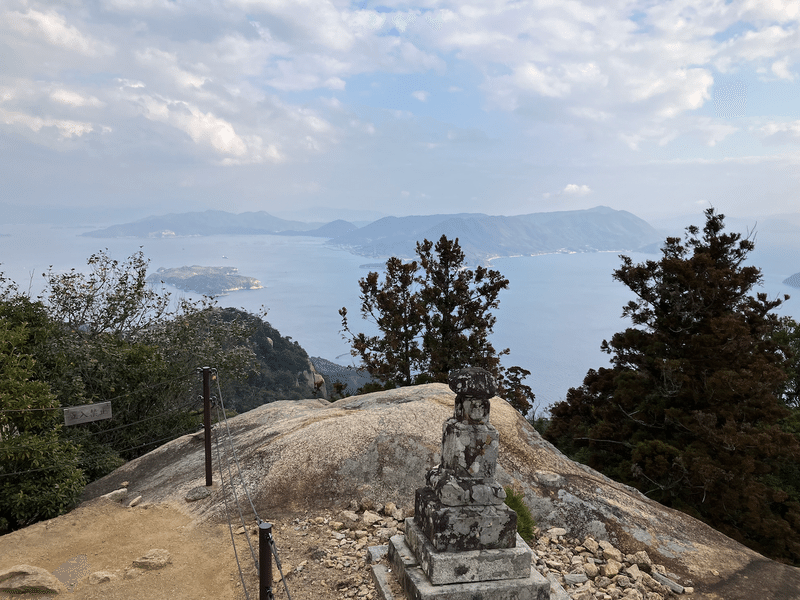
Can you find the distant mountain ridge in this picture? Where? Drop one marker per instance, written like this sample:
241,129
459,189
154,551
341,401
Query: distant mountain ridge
483,237
209,222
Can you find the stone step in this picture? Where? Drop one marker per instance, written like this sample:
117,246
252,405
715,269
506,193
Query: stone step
473,565
417,586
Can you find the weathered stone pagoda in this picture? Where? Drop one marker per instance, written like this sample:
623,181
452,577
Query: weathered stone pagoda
462,543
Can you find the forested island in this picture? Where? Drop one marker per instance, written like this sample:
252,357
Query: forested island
211,281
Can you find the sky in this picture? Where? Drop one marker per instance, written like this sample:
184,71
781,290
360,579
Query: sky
123,108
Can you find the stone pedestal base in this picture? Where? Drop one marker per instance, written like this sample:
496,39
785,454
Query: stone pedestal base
417,586
464,528
475,565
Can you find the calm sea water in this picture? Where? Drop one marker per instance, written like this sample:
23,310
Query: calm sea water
554,316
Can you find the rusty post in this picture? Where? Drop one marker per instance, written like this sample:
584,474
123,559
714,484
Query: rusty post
265,561
207,421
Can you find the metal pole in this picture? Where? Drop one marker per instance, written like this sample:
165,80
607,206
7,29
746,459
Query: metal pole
265,561
207,421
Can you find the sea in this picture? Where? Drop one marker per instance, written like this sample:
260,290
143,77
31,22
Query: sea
553,317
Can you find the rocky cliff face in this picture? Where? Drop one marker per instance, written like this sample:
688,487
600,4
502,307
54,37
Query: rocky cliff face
313,380
311,454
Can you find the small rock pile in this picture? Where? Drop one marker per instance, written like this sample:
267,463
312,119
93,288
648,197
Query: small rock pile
336,549
596,570
578,570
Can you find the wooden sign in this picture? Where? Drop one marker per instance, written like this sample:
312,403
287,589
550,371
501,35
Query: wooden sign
75,415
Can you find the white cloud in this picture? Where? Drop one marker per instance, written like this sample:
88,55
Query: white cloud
166,64
546,83
403,20
713,131
75,99
67,128
313,22
573,189
420,95
775,132
781,69
53,28
204,128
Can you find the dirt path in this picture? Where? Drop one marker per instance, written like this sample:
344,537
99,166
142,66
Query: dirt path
105,536
102,535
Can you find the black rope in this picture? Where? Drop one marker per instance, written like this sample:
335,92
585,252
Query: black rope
278,563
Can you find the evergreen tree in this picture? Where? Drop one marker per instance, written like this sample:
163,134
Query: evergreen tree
457,310
690,411
433,322
396,308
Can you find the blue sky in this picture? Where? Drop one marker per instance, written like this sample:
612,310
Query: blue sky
123,108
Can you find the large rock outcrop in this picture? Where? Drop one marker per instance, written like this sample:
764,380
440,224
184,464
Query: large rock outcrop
314,454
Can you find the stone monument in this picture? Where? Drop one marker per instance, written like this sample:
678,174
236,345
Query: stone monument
462,543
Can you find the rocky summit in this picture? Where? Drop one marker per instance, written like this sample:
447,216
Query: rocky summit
595,535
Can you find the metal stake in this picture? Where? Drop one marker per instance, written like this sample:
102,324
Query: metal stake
265,561
207,421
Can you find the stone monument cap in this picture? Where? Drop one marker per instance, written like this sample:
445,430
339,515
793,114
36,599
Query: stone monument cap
474,382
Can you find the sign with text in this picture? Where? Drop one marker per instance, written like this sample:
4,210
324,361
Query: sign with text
75,415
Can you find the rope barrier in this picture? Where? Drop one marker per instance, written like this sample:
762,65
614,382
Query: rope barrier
271,539
227,514
233,448
126,394
172,436
233,488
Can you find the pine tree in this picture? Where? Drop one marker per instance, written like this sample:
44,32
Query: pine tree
690,411
457,310
434,316
396,308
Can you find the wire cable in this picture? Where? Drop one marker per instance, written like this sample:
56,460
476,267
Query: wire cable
233,487
274,546
131,392
167,438
227,514
233,448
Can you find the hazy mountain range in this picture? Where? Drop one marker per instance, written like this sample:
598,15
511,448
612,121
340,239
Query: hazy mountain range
209,222
481,236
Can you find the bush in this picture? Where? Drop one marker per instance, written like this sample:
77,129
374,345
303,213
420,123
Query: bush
525,522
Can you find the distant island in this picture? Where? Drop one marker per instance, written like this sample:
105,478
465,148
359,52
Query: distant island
485,237
211,281
482,237
218,222
793,280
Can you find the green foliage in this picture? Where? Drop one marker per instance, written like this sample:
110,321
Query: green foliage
434,317
457,310
788,336
275,363
339,390
113,298
397,309
39,475
107,335
525,522
691,411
